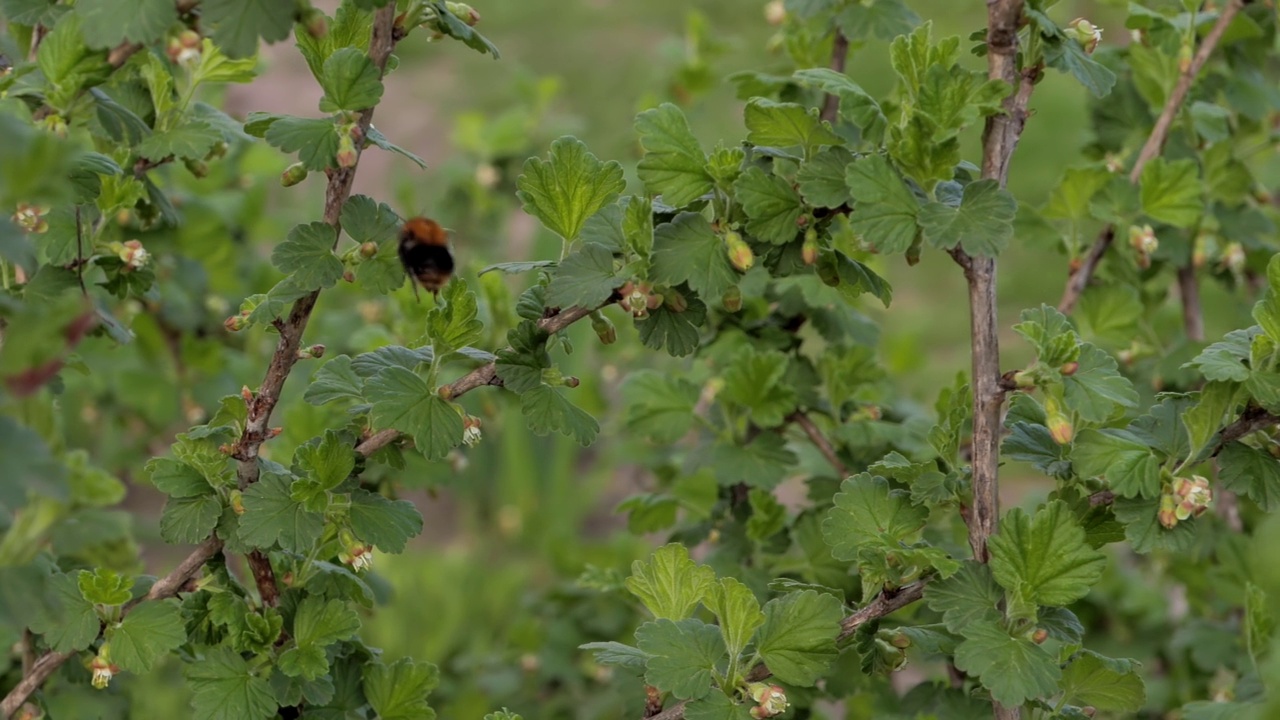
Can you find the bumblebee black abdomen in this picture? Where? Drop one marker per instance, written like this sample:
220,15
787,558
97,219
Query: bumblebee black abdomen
430,265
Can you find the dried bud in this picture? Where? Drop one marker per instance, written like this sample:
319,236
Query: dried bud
293,174
732,299
246,394
348,276
740,254
274,432
809,250
1086,33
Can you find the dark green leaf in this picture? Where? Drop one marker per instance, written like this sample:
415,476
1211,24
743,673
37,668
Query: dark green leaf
681,655
884,209
798,638
687,250
982,225
403,401
771,204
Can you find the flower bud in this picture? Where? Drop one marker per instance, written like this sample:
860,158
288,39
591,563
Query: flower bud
1144,241
359,557
197,168
1039,636
464,11
102,668
775,12
1167,515
676,301
740,254
1059,424
315,22
603,328
293,174
348,276
1069,369
732,299
237,502
809,250
571,381
487,175
1233,258
900,641
236,323
1184,58
368,249
311,352
1085,33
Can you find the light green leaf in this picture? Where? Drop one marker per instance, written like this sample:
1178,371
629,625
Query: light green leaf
1225,360
399,691
868,512
586,278
768,516
737,611
521,365
568,187
65,618
385,523
1045,559
1123,459
688,250
1145,533
798,638
327,463
190,141
982,225
673,165
224,688
453,323
1015,670
716,706
783,125
350,80
104,586
321,622
771,204
403,401
307,255
1204,419
1066,55
762,462
1171,192
1106,684
681,655
271,514
884,209
546,409
670,584
149,631
454,27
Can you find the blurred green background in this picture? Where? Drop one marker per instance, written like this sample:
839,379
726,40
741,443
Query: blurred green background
490,591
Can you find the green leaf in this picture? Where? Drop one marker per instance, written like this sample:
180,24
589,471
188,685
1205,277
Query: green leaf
104,586
783,125
1171,192
315,141
677,333
762,462
307,255
1251,472
454,27
970,596
868,512
798,638
1144,531
822,179
189,519
687,250
1015,670
673,165
615,653
982,225
755,382
884,209
350,81
659,406
716,706
884,19
586,278
453,324
521,365
568,187
1106,684
1204,419
771,204
325,464
1224,361
224,688
681,655
379,140
399,691
237,24
1045,559
768,516
1267,310
321,623
335,380
854,278
737,611
1066,55
856,104
65,618
1123,459
148,632
271,514
216,67
190,141
670,584
177,479
1097,389
385,523
545,409
1112,313
403,401
1071,198
108,23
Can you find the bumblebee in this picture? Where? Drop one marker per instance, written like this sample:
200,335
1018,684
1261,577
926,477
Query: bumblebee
424,252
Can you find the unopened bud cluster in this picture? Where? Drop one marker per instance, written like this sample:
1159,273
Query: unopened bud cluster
1185,498
131,253
770,700
740,255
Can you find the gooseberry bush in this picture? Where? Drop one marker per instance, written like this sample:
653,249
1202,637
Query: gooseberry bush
833,549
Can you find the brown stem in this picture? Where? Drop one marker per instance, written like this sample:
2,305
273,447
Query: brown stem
839,53
1251,420
165,587
480,377
1189,291
286,354
818,439
884,604
1150,150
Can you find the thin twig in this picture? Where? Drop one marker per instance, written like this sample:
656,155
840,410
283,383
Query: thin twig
1189,292
1081,276
481,376
286,354
824,446
1251,420
883,605
165,587
839,53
